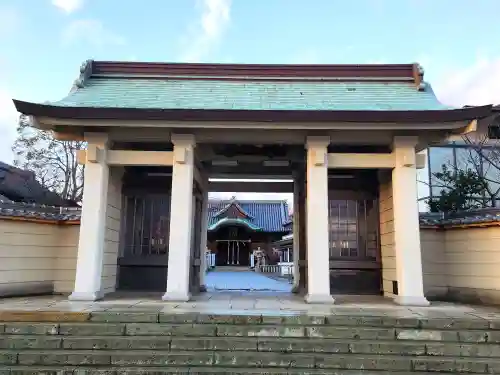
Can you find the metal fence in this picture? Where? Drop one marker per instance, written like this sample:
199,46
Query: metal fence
210,261
284,271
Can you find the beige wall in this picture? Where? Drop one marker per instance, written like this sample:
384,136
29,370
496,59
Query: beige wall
387,249
462,264
65,258
36,257
459,264
433,257
112,235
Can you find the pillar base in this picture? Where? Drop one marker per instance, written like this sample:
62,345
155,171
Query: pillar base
176,297
411,301
296,289
319,298
86,296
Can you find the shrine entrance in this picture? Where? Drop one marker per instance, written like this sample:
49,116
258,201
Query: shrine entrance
233,253
353,208
145,225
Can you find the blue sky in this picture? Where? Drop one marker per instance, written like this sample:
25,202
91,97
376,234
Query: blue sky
43,42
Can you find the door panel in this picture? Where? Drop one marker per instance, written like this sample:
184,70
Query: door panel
354,242
143,259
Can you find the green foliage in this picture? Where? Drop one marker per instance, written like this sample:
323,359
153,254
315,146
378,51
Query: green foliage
460,191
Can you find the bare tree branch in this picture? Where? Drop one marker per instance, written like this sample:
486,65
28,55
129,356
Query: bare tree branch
54,162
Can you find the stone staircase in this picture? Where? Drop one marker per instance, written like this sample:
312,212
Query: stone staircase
141,342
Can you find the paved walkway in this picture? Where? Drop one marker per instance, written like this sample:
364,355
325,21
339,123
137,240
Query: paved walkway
248,303
245,281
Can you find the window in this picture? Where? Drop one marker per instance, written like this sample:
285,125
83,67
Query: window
439,156
353,231
494,132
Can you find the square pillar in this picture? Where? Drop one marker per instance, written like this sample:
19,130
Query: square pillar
181,219
91,242
318,257
406,224
203,241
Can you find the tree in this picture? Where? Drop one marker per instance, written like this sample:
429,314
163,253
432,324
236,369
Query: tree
462,189
54,162
483,155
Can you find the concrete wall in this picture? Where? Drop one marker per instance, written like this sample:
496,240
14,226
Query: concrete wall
112,235
40,257
65,258
459,264
462,264
36,257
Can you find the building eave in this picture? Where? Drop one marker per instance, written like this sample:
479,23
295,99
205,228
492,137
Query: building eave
238,222
204,115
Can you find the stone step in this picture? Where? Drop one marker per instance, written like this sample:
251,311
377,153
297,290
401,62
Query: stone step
245,359
112,342
276,345
229,330
254,318
65,370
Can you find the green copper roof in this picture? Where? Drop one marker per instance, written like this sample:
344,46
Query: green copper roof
228,221
327,95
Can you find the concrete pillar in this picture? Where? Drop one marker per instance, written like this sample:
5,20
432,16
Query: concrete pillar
296,234
406,224
89,265
318,257
203,241
181,221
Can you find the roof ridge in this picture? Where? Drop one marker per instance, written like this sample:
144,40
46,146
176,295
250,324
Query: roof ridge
86,70
412,71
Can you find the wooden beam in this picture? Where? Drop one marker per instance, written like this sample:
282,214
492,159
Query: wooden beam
131,158
361,161
68,136
369,161
138,158
250,187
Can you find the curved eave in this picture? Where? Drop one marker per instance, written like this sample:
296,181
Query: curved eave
93,113
225,222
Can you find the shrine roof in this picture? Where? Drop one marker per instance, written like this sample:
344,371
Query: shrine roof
269,216
231,221
233,92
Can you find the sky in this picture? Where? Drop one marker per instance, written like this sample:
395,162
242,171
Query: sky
43,42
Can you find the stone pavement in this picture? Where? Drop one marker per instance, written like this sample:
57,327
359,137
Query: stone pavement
245,280
250,303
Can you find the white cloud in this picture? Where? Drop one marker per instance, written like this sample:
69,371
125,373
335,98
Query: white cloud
68,6
8,122
478,84
92,32
208,30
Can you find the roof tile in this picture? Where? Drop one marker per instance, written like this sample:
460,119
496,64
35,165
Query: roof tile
143,93
268,215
